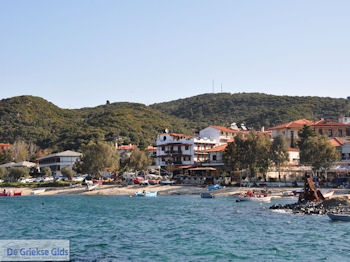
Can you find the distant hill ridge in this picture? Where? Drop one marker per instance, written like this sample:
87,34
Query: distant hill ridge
37,120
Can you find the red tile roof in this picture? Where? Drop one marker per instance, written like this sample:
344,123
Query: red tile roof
225,129
127,147
217,148
294,124
151,148
4,145
293,149
327,123
336,141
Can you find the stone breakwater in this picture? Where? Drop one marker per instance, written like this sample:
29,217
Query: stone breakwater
338,205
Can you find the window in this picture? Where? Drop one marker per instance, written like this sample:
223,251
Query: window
163,159
320,131
340,132
186,147
164,138
330,132
163,148
214,157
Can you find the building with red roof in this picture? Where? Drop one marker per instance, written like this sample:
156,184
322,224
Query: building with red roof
291,129
4,146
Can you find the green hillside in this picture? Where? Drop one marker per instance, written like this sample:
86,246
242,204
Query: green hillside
37,120
254,109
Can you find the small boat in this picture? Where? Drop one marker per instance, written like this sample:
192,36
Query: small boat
214,187
167,182
206,195
10,193
38,191
144,182
249,196
90,185
340,217
327,193
146,194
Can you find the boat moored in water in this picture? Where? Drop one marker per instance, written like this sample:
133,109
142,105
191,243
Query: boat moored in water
339,217
250,196
206,195
147,194
10,193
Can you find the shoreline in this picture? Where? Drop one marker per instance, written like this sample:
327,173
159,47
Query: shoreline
162,190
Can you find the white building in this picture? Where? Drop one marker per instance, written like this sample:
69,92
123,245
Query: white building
179,149
58,161
175,149
344,120
219,134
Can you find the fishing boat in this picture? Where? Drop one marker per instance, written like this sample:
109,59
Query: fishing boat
340,217
249,196
146,194
214,187
206,195
10,193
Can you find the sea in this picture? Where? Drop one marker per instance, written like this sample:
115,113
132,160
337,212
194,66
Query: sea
173,228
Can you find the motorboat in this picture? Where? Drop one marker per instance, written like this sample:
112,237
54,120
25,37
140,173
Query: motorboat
147,194
249,196
206,195
214,187
339,217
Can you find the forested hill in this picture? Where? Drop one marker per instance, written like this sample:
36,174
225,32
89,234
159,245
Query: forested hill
41,122
37,120
254,109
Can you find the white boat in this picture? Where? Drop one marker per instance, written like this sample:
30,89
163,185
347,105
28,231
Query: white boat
147,194
341,217
38,191
252,197
327,193
91,185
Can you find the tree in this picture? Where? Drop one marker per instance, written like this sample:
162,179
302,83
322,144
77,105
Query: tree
3,173
279,153
97,157
18,172
318,152
304,134
21,151
46,171
139,160
5,156
248,153
67,172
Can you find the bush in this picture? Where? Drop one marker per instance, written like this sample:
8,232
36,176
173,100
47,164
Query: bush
67,172
18,172
3,172
46,171
36,184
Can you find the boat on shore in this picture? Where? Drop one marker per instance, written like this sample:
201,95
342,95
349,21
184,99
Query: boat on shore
214,187
206,195
339,217
249,196
10,193
90,185
146,194
327,193
38,191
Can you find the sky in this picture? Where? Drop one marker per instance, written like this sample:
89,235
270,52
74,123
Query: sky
78,53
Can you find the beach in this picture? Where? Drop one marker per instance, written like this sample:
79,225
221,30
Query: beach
162,190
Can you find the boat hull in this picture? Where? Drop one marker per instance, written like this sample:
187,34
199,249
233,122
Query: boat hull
206,195
339,217
147,194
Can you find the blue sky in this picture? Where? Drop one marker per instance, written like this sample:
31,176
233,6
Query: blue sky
82,52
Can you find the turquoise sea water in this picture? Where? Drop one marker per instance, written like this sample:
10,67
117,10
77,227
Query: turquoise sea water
173,228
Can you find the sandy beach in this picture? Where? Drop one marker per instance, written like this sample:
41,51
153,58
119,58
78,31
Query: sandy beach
162,190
